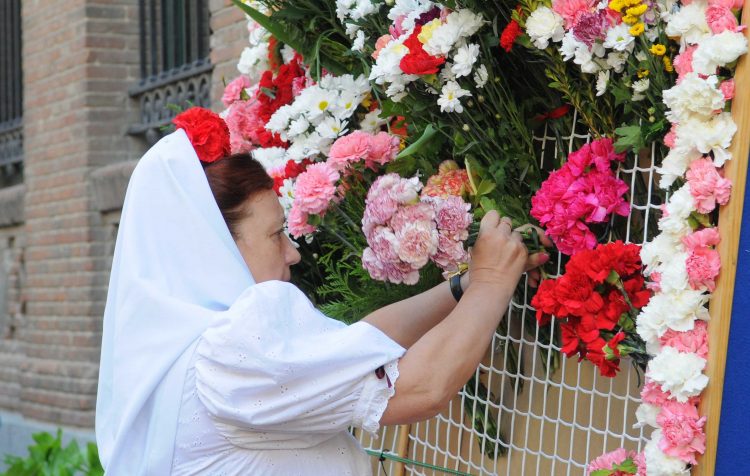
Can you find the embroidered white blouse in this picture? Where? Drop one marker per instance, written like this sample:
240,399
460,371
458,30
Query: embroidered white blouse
273,385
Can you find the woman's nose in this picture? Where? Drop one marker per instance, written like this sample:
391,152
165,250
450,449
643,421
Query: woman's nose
292,255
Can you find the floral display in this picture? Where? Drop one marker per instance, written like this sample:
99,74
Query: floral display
390,127
597,301
583,191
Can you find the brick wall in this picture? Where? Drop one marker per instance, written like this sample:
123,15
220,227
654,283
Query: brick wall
228,38
57,230
79,59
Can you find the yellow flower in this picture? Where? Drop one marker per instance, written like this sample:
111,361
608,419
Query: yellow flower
658,49
367,101
616,5
637,11
630,19
637,29
642,73
428,29
668,64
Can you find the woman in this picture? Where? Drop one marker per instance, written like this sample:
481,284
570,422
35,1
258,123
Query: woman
213,364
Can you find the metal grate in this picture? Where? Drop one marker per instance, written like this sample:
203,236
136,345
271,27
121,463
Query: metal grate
174,62
546,423
11,94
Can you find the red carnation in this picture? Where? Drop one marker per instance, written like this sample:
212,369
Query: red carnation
208,133
418,61
509,35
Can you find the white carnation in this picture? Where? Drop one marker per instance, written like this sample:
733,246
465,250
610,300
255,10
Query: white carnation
646,415
674,272
679,373
449,97
689,23
464,60
679,207
693,96
570,45
676,162
287,54
658,463
253,61
714,135
659,250
718,50
676,309
544,25
617,60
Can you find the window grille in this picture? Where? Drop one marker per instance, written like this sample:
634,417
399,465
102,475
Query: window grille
11,94
175,68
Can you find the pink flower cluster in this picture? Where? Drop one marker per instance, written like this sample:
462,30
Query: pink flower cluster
233,90
374,149
584,190
703,262
404,233
608,461
314,190
707,185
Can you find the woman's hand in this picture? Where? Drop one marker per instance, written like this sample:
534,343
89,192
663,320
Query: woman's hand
536,259
499,254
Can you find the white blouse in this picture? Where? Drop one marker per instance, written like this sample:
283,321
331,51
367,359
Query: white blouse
274,385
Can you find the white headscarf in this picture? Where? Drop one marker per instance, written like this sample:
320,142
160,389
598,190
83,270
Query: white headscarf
156,309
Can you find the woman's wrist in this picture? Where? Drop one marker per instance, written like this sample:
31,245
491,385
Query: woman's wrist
465,281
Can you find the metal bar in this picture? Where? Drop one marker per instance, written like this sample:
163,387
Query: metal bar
153,38
169,77
180,35
4,96
188,31
167,46
201,29
142,40
18,62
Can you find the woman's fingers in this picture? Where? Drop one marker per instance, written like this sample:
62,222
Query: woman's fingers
534,277
537,259
491,220
543,239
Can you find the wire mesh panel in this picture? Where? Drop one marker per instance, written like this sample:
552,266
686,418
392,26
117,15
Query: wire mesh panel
528,409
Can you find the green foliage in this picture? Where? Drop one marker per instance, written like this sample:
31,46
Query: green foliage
48,457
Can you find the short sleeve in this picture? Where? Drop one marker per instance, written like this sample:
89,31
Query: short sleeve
274,363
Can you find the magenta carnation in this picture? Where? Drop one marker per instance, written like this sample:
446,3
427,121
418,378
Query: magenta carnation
584,190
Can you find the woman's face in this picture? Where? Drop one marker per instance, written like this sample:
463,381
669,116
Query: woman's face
266,249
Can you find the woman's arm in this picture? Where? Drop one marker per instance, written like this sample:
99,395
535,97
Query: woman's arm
439,363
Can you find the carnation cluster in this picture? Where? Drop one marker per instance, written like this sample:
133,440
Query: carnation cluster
596,302
405,232
429,44
583,191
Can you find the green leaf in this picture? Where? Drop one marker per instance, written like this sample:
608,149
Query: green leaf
403,167
601,472
419,143
629,137
486,187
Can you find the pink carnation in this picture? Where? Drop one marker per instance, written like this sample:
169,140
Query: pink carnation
591,26
380,44
419,212
720,18
349,149
572,10
616,457
383,148
683,63
707,186
416,242
701,239
450,253
452,216
734,4
727,88
694,340
652,393
702,268
243,121
380,206
315,188
297,223
671,136
233,90
682,431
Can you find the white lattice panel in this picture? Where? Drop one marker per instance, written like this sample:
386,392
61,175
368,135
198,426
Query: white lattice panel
547,423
